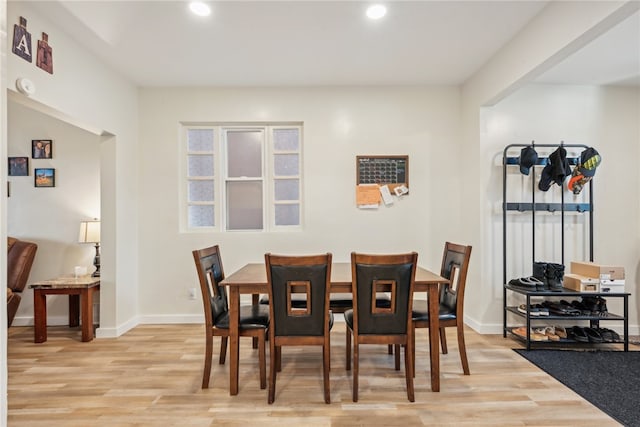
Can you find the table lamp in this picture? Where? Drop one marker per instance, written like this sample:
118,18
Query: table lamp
90,233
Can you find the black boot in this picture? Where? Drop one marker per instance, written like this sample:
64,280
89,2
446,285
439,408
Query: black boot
540,273
555,275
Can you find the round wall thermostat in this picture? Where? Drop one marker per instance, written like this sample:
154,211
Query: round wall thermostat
25,86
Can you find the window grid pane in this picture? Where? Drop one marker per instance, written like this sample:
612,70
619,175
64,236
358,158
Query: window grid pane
286,189
200,165
286,139
200,140
286,165
244,205
288,214
201,191
201,216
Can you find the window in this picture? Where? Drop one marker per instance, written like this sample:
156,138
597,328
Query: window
242,178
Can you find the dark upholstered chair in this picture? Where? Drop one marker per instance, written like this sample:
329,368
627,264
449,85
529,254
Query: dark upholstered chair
372,324
254,319
455,263
287,277
20,256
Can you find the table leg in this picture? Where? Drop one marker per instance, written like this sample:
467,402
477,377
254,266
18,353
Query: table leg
74,310
39,316
434,337
86,297
234,342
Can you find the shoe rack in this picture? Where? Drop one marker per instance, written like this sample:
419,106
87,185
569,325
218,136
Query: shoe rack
531,207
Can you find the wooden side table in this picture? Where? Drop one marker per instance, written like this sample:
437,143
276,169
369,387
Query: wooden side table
80,291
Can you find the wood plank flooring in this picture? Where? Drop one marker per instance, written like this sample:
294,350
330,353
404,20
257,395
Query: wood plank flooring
151,376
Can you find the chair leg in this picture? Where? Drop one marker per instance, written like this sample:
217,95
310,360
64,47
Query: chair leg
272,373
462,349
279,358
348,349
356,363
408,367
262,360
208,355
223,350
326,358
397,357
413,349
390,349
443,341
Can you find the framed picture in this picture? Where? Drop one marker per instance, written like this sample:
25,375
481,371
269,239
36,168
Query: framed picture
18,166
41,148
45,177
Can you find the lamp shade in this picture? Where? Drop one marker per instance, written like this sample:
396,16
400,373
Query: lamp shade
89,232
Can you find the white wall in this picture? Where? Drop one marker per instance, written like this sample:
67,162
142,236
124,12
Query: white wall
339,123
603,117
84,92
50,217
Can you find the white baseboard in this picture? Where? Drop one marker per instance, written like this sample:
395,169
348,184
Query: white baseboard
102,332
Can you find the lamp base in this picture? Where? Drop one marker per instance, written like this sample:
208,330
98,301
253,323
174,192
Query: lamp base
96,262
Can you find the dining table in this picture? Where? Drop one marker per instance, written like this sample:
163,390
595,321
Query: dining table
252,279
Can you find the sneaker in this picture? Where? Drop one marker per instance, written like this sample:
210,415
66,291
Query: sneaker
533,310
542,311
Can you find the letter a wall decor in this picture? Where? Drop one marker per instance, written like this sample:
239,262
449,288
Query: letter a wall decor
22,40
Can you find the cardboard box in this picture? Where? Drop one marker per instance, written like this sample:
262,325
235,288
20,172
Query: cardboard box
612,286
599,271
579,283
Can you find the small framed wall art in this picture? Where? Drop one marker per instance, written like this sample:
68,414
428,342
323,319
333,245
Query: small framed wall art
44,177
18,166
41,148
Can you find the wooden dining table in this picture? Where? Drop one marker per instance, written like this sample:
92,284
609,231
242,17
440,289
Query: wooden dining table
252,279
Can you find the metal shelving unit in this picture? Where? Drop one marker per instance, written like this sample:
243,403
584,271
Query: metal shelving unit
534,207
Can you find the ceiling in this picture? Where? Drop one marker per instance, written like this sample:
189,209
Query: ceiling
312,43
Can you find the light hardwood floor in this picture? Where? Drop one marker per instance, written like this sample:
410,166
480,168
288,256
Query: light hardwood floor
151,376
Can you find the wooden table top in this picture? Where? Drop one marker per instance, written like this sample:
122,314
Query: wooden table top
256,274
67,283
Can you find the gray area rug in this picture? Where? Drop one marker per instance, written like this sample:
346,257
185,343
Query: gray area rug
610,380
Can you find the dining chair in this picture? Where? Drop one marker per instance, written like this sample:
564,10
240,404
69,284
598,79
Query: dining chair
455,264
288,276
254,319
371,324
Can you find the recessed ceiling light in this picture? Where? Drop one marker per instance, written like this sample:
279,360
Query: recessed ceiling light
200,8
376,11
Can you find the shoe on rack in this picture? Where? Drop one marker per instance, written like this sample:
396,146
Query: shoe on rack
555,274
540,273
578,333
542,311
593,334
581,307
533,311
537,335
533,336
560,331
549,331
606,334
529,283
602,307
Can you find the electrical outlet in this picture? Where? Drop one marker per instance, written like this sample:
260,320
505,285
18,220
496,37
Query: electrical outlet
192,293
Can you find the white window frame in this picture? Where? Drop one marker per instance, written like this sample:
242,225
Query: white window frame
221,178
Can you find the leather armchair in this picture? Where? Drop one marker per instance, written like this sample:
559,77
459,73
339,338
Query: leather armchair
20,256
